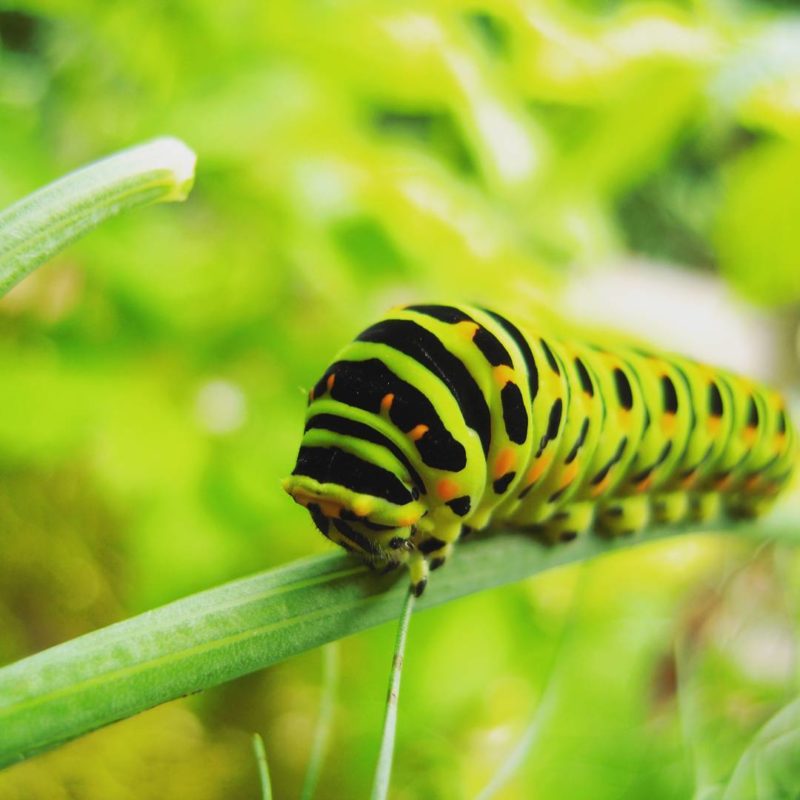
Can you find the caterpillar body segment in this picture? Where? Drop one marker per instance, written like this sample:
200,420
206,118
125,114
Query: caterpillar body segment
442,419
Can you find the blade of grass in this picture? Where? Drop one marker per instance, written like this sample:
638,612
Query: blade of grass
330,683
231,630
383,769
263,769
38,226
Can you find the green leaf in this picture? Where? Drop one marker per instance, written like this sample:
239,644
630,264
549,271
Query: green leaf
234,629
38,226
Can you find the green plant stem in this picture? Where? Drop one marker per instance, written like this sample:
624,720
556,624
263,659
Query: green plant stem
41,224
263,768
383,769
330,682
234,629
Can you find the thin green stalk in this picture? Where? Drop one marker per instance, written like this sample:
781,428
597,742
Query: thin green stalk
383,769
263,769
235,629
38,226
330,683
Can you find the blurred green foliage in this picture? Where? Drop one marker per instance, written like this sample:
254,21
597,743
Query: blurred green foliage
353,155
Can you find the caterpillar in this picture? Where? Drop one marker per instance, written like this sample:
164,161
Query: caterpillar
441,419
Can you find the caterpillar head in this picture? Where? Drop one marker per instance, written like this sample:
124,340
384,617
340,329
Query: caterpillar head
360,505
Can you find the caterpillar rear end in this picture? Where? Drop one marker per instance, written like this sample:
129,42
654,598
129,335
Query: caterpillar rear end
443,419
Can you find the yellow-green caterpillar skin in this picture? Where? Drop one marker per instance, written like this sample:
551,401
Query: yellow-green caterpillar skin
441,419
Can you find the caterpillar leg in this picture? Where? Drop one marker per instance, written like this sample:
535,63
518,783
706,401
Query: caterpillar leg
434,545
742,506
420,564
570,522
438,557
418,570
623,516
670,507
704,506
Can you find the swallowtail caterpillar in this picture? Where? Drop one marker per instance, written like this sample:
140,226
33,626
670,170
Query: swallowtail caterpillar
442,419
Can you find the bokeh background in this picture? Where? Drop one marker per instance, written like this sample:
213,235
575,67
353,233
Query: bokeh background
621,162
